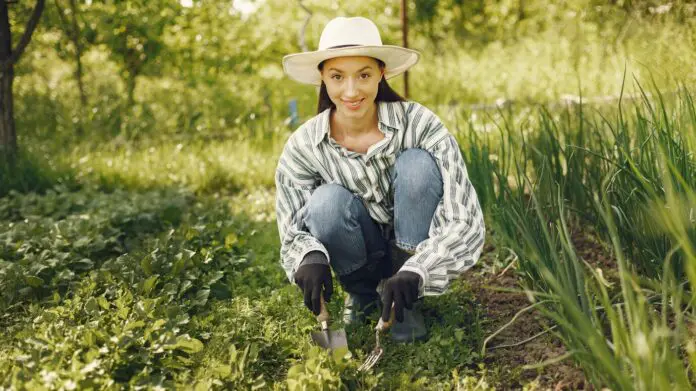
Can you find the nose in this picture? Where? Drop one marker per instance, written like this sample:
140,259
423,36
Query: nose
351,88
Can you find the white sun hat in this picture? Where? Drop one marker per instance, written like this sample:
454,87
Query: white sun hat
341,37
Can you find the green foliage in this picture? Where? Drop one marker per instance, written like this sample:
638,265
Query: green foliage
123,314
49,242
28,174
311,374
174,296
210,71
148,256
100,336
629,176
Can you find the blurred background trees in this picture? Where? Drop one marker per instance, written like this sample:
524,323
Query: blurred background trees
190,68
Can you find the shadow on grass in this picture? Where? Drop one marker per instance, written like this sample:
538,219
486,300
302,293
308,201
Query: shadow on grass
31,173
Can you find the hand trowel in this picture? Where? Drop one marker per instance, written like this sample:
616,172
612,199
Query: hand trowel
326,338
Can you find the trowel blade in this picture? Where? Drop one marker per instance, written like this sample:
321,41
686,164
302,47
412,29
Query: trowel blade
330,339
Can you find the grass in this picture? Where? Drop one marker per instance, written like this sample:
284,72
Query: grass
192,265
631,175
142,251
185,288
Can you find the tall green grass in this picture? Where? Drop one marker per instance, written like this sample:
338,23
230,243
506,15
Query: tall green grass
630,173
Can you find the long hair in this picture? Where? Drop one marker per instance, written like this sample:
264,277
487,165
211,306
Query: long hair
384,92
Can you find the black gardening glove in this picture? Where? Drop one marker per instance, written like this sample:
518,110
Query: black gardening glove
402,290
311,278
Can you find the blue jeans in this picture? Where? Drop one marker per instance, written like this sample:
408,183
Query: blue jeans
359,247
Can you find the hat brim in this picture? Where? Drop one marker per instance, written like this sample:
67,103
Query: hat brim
302,67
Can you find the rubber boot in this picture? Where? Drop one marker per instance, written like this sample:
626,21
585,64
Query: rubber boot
412,328
358,308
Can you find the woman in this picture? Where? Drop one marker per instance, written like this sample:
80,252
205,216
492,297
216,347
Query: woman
373,187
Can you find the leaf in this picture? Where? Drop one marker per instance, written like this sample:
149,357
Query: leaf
216,276
179,265
185,285
231,239
259,383
169,289
149,284
187,362
90,339
459,335
220,291
201,297
91,305
82,242
187,344
203,386
146,265
222,370
33,281
103,303
134,325
123,312
83,264
158,324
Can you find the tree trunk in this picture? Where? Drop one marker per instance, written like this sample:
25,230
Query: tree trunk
8,135
131,80
72,30
8,57
78,54
78,70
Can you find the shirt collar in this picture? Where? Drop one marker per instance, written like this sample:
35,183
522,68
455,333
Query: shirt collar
389,118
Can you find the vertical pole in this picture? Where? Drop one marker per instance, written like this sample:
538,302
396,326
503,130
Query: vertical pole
404,33
8,137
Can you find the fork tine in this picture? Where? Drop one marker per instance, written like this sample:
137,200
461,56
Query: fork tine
366,366
371,360
377,352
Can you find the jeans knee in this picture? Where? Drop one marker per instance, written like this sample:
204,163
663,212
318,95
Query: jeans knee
418,173
329,209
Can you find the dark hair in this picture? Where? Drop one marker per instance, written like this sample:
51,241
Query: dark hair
384,92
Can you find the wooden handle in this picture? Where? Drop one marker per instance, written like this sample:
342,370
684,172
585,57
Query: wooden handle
323,313
382,325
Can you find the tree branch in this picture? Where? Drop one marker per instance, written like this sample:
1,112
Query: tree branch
26,37
61,15
301,34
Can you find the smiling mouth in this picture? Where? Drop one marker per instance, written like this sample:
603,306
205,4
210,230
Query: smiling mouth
353,105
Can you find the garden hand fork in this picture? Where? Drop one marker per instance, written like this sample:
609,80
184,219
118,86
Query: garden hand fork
377,352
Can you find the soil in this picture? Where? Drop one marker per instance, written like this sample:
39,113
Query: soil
499,307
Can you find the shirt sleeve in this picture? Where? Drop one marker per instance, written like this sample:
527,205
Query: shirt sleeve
457,231
295,183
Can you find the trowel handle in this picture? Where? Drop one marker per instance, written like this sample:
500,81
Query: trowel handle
323,314
382,325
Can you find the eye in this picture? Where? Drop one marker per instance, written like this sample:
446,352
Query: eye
336,77
365,75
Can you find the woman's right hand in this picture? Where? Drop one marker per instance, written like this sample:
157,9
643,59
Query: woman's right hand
312,278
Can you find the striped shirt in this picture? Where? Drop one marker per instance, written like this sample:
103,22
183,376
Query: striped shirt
311,158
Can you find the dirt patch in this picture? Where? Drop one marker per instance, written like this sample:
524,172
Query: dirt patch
499,307
592,250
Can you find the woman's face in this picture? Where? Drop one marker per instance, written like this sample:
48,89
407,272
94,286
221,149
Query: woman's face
351,83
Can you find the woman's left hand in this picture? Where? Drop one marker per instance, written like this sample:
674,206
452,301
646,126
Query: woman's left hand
402,290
